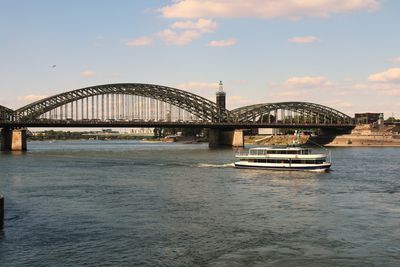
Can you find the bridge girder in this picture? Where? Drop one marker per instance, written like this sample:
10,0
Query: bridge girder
197,105
320,112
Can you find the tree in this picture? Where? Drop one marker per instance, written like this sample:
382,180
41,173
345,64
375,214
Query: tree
392,119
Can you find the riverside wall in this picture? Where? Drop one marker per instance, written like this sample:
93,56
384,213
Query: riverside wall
367,135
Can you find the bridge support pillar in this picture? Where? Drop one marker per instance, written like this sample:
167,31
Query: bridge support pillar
13,139
234,138
1,212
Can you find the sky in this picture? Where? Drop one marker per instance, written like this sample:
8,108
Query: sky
344,54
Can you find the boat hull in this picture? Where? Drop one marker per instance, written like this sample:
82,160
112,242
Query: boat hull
286,167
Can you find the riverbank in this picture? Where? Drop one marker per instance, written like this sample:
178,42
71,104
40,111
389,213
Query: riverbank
361,136
365,135
347,140
350,140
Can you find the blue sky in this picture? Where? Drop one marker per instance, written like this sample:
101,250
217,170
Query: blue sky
340,53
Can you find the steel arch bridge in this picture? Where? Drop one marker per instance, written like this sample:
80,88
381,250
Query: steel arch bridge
125,101
149,105
6,114
290,113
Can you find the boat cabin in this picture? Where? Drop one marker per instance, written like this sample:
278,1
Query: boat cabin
274,150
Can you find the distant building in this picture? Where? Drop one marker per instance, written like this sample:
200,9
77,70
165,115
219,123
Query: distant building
368,118
142,131
266,131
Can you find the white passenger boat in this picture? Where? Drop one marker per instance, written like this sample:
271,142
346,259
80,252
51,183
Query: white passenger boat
284,158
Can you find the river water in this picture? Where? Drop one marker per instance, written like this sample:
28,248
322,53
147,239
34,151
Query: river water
128,203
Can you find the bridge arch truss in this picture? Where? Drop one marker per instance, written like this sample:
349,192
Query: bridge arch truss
290,113
127,101
6,114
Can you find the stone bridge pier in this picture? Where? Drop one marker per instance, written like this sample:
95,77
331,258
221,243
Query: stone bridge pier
233,138
13,139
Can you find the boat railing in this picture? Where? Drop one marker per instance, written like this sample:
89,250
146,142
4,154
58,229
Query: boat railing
327,155
241,153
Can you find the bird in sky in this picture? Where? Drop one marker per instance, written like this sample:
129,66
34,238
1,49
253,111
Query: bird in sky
53,66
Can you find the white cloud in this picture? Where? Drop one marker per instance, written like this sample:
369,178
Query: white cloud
204,89
297,93
99,40
223,43
341,104
289,95
171,37
306,82
31,98
88,73
141,41
196,86
184,32
240,82
203,25
304,39
266,9
386,89
238,101
395,60
387,76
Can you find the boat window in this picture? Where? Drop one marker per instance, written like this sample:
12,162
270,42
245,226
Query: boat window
304,152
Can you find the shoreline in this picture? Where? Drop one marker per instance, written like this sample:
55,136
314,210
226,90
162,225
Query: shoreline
359,145
201,142
327,141
339,145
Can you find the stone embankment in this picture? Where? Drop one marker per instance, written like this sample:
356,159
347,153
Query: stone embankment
368,135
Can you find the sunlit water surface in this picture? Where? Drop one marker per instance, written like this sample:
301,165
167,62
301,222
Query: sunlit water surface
150,204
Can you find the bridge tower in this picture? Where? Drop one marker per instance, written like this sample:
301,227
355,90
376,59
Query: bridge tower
224,137
221,96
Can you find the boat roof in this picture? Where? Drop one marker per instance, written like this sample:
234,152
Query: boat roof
279,148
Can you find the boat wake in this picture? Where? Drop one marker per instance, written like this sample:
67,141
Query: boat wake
206,165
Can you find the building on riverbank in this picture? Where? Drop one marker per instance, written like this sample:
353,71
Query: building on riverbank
367,118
